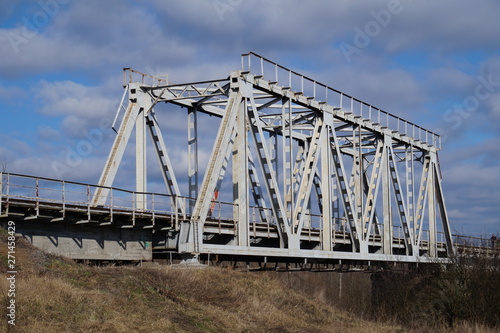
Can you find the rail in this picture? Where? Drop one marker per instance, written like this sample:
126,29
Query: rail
260,66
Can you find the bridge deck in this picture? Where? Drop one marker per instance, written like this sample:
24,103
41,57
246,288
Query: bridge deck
56,203
43,211
51,212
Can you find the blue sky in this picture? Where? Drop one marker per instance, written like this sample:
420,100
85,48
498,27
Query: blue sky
434,63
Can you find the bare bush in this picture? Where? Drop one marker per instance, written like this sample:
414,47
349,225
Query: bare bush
464,293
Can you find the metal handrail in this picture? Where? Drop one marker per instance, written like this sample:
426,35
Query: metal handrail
43,194
129,74
321,92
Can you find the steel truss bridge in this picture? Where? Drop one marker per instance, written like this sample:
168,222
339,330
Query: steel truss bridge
308,172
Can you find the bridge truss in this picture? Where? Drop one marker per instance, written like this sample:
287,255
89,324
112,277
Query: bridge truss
314,172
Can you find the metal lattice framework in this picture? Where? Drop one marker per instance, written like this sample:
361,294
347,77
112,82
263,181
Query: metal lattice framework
315,172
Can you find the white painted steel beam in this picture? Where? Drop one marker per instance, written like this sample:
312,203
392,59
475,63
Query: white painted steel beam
140,159
118,149
192,155
164,161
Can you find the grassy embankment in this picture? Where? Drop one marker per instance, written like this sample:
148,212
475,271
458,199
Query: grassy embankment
57,295
54,294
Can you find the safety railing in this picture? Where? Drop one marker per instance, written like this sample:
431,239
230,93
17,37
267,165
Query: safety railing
45,192
260,215
469,241
265,68
130,75
477,246
42,192
221,211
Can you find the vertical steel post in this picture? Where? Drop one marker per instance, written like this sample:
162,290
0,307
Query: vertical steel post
63,199
111,204
37,208
358,177
410,189
431,197
287,160
88,202
326,185
140,159
386,198
192,156
240,176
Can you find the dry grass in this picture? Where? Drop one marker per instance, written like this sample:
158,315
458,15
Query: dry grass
124,299
57,295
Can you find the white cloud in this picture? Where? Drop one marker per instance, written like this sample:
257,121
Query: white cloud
70,98
494,103
92,36
444,26
48,133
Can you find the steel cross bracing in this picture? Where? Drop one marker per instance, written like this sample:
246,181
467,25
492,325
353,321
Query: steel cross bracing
311,177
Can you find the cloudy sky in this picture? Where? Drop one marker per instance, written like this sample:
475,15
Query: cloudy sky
434,63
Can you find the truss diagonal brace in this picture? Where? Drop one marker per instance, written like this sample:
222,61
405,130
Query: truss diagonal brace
219,153
118,149
396,184
372,188
269,175
442,208
308,173
345,190
166,168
